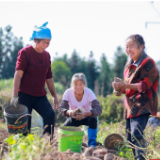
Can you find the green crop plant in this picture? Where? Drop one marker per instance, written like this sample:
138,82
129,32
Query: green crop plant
26,148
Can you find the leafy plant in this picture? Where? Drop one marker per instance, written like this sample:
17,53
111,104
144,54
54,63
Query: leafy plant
112,108
21,147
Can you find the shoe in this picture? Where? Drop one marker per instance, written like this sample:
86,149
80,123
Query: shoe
92,136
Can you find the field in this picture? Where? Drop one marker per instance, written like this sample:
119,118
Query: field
35,148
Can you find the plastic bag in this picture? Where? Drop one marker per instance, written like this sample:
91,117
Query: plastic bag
36,123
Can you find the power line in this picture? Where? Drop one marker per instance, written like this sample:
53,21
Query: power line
156,11
154,7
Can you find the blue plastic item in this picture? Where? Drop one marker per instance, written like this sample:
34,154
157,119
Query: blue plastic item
92,136
42,32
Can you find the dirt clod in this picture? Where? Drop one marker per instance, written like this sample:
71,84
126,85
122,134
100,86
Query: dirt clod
108,156
92,158
99,153
88,152
76,111
76,156
16,110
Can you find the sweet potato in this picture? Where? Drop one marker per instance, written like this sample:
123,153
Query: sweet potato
76,156
99,153
92,158
111,151
76,111
88,152
108,156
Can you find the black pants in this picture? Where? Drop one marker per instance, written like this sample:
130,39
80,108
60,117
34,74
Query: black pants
43,107
89,121
135,127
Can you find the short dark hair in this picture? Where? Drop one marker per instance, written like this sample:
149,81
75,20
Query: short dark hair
38,40
138,39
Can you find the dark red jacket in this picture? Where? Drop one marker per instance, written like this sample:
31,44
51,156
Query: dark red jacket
138,103
36,67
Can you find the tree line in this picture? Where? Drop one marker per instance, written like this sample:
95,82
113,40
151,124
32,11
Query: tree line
99,74
9,47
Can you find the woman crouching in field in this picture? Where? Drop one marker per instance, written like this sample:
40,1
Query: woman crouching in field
140,87
81,97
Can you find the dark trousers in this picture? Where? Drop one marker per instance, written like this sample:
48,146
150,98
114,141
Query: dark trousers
43,107
135,127
89,121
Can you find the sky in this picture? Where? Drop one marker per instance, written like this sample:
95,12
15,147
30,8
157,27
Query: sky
98,26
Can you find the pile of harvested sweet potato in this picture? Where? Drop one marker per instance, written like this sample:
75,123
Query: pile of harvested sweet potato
98,153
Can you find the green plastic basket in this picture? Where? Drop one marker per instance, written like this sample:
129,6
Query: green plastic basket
70,138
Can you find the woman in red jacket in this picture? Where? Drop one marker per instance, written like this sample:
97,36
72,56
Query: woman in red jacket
140,87
33,70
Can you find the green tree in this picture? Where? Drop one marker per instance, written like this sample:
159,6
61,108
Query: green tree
74,63
8,51
92,69
105,77
1,49
120,59
88,67
61,72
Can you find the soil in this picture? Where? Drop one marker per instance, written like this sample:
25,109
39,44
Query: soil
71,129
16,110
4,148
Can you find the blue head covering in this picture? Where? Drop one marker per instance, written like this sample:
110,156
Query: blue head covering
41,32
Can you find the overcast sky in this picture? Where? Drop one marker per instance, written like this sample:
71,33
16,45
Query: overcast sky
86,26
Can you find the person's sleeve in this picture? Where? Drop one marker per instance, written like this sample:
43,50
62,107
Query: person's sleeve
63,107
123,91
149,75
22,61
49,73
96,108
141,87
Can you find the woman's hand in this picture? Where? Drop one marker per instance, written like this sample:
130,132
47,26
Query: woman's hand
80,116
55,102
118,85
14,101
71,113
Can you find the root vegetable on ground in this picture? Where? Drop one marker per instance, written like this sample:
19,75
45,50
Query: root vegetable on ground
99,153
76,111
